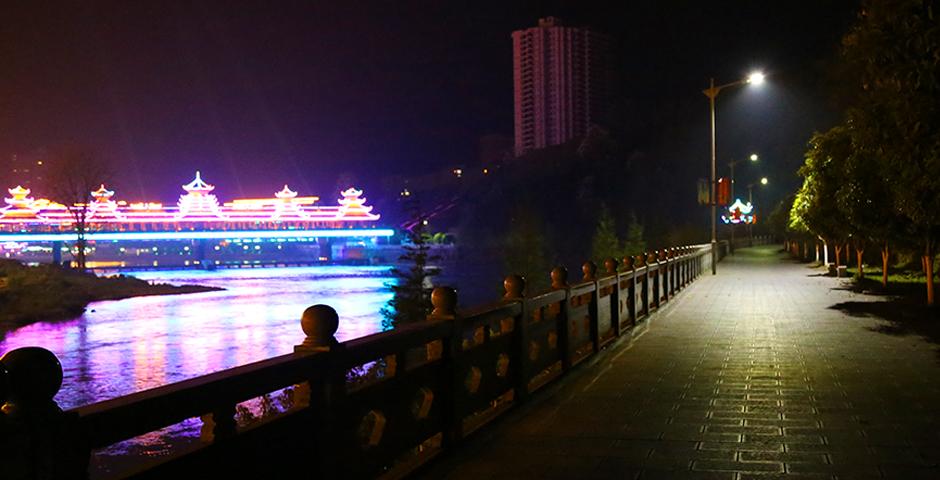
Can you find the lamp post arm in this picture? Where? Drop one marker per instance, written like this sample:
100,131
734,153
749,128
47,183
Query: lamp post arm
713,90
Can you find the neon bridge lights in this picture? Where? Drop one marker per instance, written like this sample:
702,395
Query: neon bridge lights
201,235
197,214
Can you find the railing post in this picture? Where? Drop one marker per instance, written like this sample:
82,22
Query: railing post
652,259
698,264
645,287
610,265
444,300
628,266
665,277
515,292
560,282
590,275
325,388
679,257
37,439
673,271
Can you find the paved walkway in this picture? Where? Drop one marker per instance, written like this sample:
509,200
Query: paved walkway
758,372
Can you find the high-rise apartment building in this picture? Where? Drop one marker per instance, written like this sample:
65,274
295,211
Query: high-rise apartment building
561,80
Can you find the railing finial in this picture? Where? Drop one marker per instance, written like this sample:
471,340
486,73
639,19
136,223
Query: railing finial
627,262
590,271
320,323
444,300
514,286
610,265
32,377
559,278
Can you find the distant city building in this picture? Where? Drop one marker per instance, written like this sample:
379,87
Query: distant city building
561,80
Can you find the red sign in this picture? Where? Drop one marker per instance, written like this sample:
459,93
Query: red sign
724,191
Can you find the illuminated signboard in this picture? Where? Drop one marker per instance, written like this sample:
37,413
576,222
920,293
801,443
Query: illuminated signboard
739,212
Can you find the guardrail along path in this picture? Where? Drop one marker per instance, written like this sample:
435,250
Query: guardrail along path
749,374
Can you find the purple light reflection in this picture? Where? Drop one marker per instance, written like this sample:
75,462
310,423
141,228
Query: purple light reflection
125,346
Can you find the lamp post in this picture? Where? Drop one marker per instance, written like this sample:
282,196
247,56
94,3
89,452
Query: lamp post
753,158
712,92
750,200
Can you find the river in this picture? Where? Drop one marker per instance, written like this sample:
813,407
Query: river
124,346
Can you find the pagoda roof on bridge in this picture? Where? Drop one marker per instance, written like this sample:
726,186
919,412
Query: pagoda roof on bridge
198,185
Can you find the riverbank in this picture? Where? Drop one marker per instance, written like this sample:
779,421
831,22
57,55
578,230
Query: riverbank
46,292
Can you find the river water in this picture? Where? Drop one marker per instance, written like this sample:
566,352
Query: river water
124,346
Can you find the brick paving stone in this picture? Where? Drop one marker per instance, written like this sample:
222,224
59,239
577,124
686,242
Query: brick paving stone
750,374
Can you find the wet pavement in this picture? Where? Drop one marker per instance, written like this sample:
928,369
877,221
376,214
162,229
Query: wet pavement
767,370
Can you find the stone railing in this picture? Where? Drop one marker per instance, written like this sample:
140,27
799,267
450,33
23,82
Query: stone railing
377,406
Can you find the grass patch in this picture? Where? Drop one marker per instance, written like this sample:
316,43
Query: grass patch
909,285
48,292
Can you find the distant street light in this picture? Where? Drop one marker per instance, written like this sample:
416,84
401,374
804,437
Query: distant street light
750,188
711,92
750,201
753,157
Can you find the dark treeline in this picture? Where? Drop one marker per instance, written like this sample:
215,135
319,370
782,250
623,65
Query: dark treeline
585,200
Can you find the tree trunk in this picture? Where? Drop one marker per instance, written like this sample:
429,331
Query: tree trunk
858,260
838,251
928,267
928,261
80,257
884,265
816,244
825,253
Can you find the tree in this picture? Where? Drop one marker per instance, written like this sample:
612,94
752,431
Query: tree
893,52
815,209
866,199
411,299
605,243
526,248
75,172
634,243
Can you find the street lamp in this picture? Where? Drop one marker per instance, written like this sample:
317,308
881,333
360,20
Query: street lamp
712,92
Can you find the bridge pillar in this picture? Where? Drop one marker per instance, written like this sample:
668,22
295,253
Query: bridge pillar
326,248
57,253
199,250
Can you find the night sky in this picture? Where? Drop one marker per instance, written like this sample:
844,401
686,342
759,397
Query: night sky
256,94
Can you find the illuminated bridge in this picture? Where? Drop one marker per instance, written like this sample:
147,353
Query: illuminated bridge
197,230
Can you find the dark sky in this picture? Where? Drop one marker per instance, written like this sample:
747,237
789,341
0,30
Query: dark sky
256,94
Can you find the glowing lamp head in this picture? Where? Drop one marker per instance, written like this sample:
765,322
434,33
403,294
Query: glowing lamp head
755,78
763,181
754,157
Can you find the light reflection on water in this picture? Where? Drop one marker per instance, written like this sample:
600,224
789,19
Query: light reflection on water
124,346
